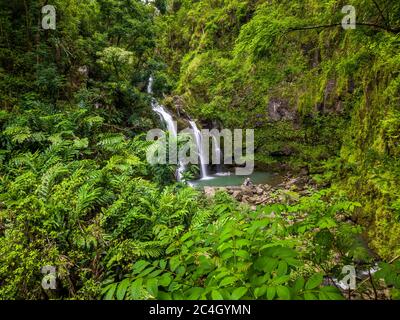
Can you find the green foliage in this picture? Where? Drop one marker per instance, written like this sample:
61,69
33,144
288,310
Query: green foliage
390,272
335,92
261,254
77,193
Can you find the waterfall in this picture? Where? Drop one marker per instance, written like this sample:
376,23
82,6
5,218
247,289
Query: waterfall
200,150
218,153
169,122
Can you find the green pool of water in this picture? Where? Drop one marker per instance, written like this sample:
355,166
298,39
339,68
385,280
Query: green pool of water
232,180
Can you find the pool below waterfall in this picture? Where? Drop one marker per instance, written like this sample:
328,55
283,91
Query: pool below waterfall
230,179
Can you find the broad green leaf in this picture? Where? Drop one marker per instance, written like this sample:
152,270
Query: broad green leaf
228,253
180,271
258,292
326,223
163,264
309,296
282,268
136,289
122,287
186,236
195,293
284,252
299,284
152,287
145,272
282,279
155,273
221,274
110,293
270,265
164,295
238,293
242,242
243,254
293,262
204,262
271,291
323,296
227,281
164,280
215,295
314,281
283,292
259,281
139,266
174,262
332,293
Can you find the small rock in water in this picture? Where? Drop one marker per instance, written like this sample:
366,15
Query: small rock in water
247,182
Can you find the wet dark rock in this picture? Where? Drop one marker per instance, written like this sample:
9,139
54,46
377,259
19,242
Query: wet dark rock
247,182
259,190
285,151
304,171
237,195
279,109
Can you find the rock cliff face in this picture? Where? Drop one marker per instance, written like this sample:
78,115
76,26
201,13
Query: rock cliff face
279,109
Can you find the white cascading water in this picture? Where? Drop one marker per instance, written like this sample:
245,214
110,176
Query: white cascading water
200,151
218,154
169,121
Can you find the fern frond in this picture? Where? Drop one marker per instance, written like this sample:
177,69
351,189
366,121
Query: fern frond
201,218
49,179
87,198
112,142
17,133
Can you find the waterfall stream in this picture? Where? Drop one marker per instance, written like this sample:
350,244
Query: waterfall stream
218,154
200,150
169,122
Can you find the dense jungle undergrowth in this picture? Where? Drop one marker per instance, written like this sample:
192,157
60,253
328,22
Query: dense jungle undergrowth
76,190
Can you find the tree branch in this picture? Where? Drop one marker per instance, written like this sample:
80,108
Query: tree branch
381,13
372,25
